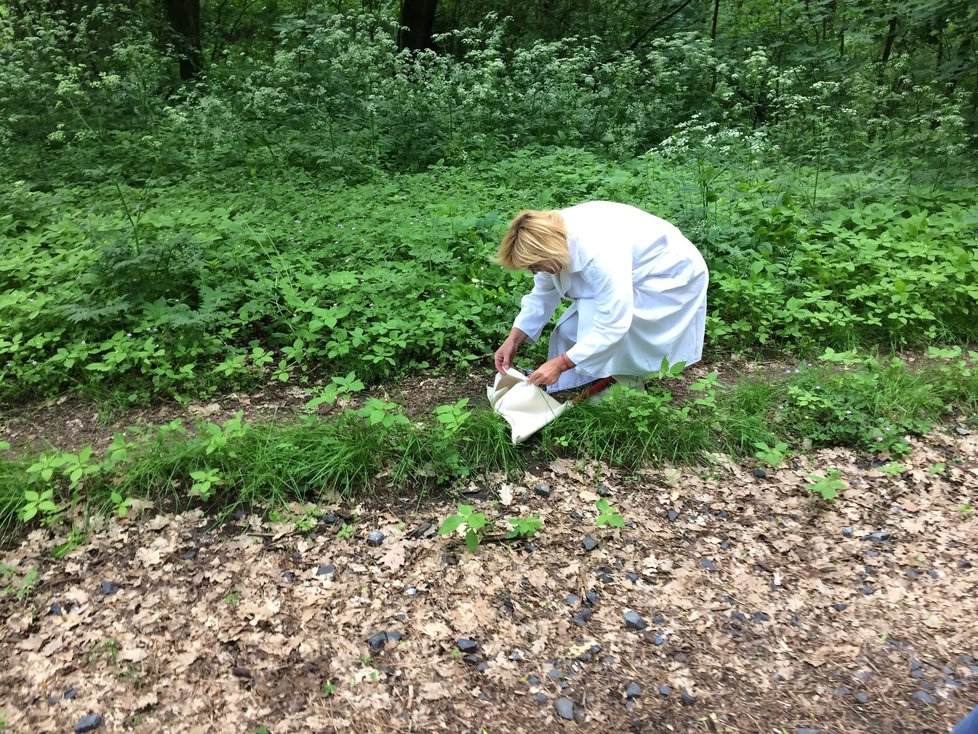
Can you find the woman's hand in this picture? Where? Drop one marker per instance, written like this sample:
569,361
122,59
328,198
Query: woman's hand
507,352
550,371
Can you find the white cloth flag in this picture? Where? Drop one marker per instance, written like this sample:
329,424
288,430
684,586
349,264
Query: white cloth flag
525,407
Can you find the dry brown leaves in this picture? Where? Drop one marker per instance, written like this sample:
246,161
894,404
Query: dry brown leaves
759,605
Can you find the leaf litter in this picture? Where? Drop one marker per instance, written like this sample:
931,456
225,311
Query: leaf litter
794,623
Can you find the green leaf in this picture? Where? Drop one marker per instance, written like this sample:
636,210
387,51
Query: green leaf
451,524
471,541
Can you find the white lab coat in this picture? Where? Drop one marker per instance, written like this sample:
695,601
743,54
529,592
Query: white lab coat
638,288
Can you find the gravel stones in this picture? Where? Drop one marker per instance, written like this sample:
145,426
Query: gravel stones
572,600
634,621
707,564
540,698
326,570
925,698
466,646
634,690
847,531
862,697
687,698
379,639
806,730
759,473
55,609
880,536
565,708
582,616
664,690
542,489
89,723
672,515
589,543
375,538
107,588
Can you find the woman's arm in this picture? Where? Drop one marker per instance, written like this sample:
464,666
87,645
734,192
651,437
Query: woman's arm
610,278
537,306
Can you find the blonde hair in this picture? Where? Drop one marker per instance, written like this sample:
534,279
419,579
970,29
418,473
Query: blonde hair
534,238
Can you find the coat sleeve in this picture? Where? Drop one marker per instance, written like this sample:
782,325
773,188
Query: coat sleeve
610,277
538,306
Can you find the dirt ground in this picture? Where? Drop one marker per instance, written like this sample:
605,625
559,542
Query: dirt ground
764,609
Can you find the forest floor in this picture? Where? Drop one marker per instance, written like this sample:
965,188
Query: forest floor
765,609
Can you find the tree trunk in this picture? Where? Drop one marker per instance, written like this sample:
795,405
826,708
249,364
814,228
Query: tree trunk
184,16
890,38
713,38
417,24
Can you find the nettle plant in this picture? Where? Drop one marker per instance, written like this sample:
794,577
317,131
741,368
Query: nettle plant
478,527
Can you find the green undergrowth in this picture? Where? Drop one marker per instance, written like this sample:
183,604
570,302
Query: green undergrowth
189,287
871,404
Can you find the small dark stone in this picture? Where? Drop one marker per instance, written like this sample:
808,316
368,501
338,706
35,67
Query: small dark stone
330,519
89,723
933,574
582,616
847,531
880,536
806,730
925,698
632,576
240,515
481,667
542,489
672,515
659,640
687,699
70,695
575,515
288,577
658,619
55,609
400,617
630,705
739,617
760,473
589,543
862,697
842,691
449,560
530,548
606,578
591,597
465,645
554,674
634,690
724,544
565,708
584,657
516,656
866,590
540,698
411,591
377,640
107,587
869,571
470,659
911,574
839,606
326,570
633,620
864,676
915,664
917,673
947,670
53,700
761,617
533,680
375,538
603,490
664,690
707,564
873,553
572,600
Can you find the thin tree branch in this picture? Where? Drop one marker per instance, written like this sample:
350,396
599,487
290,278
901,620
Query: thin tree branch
634,44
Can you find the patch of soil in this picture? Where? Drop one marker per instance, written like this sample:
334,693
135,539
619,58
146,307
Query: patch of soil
764,609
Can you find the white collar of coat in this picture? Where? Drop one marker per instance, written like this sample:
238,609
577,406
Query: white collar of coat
562,279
